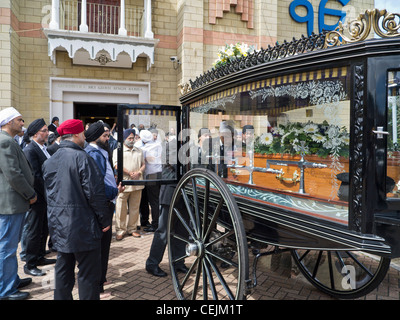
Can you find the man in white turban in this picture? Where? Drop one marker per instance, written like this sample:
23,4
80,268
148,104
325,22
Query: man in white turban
16,188
8,114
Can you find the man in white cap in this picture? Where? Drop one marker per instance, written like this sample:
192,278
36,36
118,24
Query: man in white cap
16,188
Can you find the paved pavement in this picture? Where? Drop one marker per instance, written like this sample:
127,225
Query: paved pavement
130,281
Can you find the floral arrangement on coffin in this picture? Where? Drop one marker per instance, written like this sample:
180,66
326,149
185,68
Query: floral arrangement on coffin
320,139
231,52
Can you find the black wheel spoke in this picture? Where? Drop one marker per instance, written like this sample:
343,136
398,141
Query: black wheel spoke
196,207
189,210
331,270
220,238
213,219
197,279
221,278
223,259
362,266
187,275
179,237
185,225
208,275
316,267
205,207
304,255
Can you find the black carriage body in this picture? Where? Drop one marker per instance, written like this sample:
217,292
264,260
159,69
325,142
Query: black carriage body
367,216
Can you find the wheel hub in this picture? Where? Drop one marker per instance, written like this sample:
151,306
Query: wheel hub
194,249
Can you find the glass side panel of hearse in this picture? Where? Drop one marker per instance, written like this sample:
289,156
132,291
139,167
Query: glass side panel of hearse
283,141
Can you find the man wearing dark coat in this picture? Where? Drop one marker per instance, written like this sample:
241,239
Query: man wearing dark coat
97,138
36,219
159,243
77,212
54,124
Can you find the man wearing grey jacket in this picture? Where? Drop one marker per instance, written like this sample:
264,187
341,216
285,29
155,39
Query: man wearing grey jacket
17,194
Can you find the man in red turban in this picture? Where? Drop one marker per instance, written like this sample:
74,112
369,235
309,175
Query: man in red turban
70,128
77,213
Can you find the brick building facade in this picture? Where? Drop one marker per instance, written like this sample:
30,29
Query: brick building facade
71,58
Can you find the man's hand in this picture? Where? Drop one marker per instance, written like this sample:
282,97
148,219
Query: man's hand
33,200
121,188
135,175
106,229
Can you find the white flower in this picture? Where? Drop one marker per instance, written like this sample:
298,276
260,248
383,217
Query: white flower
266,138
346,139
318,138
336,141
311,128
297,131
333,132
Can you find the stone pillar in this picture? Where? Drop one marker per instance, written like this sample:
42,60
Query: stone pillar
83,27
122,31
147,20
55,15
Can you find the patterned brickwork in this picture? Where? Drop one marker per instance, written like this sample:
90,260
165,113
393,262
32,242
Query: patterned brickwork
192,30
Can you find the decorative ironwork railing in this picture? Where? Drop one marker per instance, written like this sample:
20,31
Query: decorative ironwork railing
384,24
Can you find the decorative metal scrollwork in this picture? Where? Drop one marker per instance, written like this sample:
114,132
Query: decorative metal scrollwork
380,21
383,23
279,51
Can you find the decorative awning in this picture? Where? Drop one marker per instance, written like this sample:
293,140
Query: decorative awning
73,41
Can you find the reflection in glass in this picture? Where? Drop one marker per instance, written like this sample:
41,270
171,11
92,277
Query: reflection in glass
156,138
283,140
393,121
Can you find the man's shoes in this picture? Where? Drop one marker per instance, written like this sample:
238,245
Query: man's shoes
24,282
34,271
182,269
119,237
149,229
16,296
156,271
45,261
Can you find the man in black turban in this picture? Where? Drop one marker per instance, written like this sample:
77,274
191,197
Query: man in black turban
35,126
97,138
37,231
94,132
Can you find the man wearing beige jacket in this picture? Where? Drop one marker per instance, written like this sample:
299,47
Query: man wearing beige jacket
17,194
133,169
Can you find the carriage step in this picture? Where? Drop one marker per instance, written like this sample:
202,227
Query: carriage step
391,218
388,227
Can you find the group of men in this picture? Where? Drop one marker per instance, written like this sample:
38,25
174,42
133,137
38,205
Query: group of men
69,196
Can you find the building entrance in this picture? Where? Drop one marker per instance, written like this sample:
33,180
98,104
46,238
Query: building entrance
70,98
92,112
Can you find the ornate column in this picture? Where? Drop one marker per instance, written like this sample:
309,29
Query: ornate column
55,15
122,31
147,20
83,27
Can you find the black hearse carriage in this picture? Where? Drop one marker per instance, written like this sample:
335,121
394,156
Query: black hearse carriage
317,172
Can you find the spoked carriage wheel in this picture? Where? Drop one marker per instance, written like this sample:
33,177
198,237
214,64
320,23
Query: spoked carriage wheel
205,231
342,274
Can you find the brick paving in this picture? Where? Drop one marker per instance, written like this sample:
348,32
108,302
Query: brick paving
130,281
